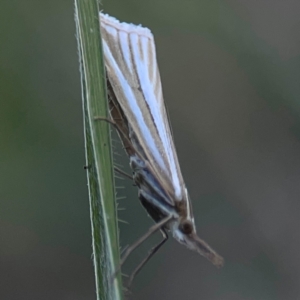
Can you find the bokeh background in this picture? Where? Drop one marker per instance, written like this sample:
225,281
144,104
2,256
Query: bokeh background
230,71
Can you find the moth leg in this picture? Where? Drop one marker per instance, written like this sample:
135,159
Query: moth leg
106,120
147,258
111,122
118,170
134,246
122,133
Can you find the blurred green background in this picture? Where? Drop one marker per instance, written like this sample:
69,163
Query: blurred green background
230,72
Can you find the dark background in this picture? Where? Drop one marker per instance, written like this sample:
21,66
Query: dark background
230,72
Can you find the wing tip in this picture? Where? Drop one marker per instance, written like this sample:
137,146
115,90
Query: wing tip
123,26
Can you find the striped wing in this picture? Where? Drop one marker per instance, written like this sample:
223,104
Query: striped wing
131,65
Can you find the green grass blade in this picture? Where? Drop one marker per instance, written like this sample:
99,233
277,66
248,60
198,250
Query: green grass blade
98,151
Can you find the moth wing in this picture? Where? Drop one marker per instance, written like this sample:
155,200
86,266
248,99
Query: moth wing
130,60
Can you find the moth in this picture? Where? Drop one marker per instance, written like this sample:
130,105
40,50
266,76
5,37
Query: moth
138,112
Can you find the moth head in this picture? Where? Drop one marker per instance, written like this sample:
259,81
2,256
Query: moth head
184,232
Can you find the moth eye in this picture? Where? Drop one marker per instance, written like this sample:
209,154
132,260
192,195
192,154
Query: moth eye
186,227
